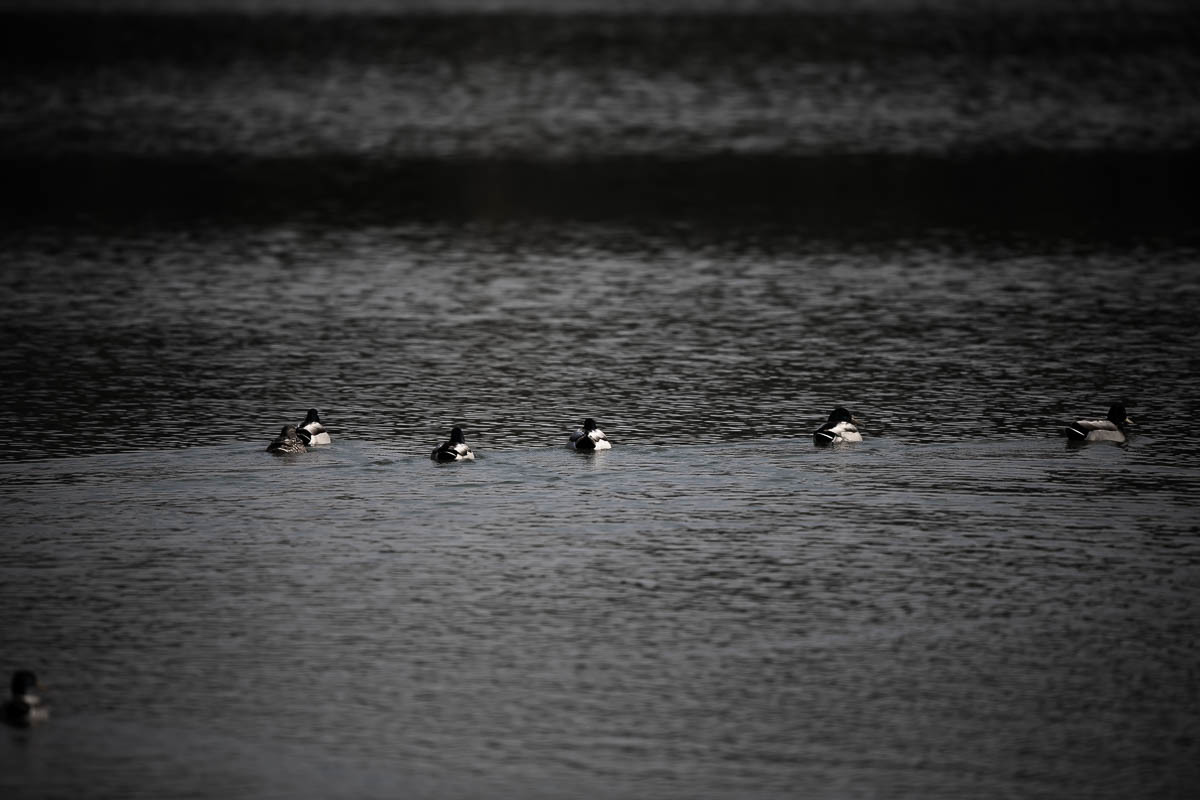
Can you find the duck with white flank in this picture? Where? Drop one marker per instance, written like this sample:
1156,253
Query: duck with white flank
288,441
1113,428
589,438
840,427
25,707
454,450
311,430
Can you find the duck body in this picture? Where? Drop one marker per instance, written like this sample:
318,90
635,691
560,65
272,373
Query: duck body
24,707
454,450
840,427
1113,428
313,427
289,441
589,438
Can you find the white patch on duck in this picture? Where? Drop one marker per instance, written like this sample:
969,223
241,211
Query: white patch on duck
454,450
840,427
313,427
1113,428
589,438
24,707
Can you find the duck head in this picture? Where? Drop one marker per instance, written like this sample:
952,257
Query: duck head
1117,415
23,682
840,414
456,436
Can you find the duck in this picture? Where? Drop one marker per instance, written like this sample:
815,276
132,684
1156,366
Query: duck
1113,428
313,428
840,427
589,438
288,441
25,707
454,450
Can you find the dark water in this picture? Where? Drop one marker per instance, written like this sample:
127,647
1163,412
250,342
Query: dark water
704,230
168,338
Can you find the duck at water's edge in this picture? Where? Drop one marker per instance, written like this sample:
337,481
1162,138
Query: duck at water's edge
288,441
25,707
316,433
1113,428
454,450
840,427
589,438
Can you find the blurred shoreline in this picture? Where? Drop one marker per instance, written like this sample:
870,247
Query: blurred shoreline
47,35
1024,118
1101,195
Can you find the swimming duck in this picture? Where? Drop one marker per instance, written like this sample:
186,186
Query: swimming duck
838,428
313,427
589,438
288,441
24,707
1113,428
454,450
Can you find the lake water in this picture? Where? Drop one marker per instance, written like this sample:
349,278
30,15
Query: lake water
960,606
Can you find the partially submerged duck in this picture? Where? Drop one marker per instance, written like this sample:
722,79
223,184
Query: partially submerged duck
288,441
24,707
454,450
1113,428
316,433
840,427
589,438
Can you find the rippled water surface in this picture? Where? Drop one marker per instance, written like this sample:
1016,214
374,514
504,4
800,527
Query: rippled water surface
753,619
966,224
675,336
959,606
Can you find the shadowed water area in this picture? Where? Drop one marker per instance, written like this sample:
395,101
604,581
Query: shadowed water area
703,230
873,116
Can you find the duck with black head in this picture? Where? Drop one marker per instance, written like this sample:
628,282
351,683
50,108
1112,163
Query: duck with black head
1113,428
840,427
24,706
311,430
453,450
589,438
